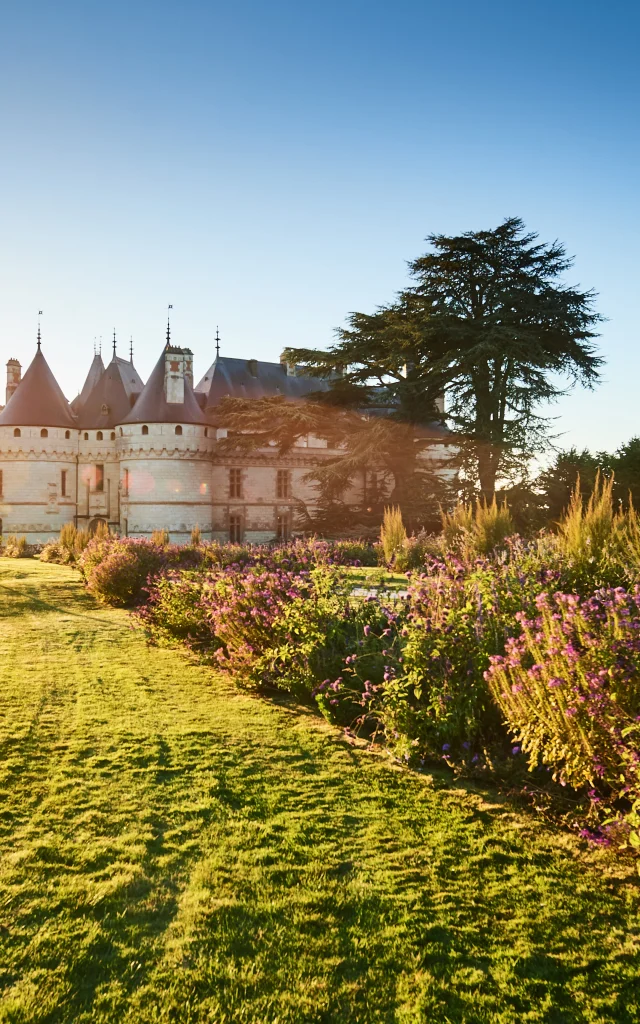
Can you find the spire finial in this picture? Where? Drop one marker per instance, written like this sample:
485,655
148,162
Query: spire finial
168,325
95,347
114,343
100,346
131,349
39,336
217,343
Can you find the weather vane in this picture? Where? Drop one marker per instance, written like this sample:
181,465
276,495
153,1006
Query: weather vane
39,338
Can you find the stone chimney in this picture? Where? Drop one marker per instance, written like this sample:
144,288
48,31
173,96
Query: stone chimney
14,376
289,368
178,367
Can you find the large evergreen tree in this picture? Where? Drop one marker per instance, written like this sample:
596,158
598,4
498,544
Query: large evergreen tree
490,324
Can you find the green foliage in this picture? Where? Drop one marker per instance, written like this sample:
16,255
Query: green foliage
393,535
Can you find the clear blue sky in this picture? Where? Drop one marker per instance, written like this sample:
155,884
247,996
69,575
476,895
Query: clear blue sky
271,166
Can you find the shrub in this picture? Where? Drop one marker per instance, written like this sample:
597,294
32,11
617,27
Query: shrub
569,688
173,611
54,552
196,536
116,571
432,698
393,535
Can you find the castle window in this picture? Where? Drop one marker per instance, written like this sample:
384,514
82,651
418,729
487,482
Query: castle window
67,435
63,483
99,478
113,435
121,432
206,431
283,526
283,484
44,432
145,429
86,437
178,430
17,432
235,483
125,482
99,436
0,489
235,528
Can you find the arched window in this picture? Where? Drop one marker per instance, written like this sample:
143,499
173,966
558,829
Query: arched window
178,430
17,432
67,435
86,437
113,435
44,432
206,431
145,429
99,436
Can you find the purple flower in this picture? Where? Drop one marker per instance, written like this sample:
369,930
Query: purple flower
555,682
366,630
515,751
446,747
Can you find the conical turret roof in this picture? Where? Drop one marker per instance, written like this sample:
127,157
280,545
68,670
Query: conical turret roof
152,406
38,400
95,372
109,402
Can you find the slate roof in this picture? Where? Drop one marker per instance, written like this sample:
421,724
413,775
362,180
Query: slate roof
38,400
152,406
95,372
253,378
109,401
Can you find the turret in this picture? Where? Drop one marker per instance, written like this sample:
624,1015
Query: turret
14,376
178,368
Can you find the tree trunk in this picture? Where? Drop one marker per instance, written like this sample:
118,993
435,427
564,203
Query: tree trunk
487,472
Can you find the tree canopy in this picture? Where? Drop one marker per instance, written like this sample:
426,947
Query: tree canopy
490,324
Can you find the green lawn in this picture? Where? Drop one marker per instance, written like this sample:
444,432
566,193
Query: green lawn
173,849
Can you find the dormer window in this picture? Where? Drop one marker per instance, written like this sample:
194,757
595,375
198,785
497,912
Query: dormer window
17,432
145,429
44,432
104,409
178,430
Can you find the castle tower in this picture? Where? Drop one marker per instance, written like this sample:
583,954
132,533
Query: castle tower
14,376
165,448
38,446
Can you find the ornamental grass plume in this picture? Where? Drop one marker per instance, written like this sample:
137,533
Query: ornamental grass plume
599,542
476,530
393,535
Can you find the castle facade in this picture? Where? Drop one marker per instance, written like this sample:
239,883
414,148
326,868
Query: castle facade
141,457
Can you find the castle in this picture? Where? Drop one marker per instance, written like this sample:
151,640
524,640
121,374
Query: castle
141,457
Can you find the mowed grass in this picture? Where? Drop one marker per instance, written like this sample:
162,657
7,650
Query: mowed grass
174,849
